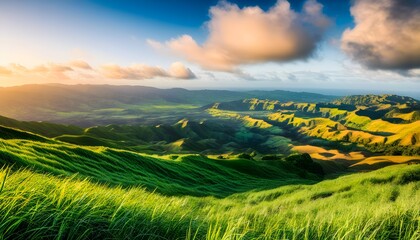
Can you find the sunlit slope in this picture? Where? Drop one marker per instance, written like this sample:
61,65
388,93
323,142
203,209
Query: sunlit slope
36,206
380,123
376,135
173,175
382,161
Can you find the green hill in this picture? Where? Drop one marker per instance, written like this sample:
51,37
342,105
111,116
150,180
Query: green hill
386,124
212,136
185,174
43,128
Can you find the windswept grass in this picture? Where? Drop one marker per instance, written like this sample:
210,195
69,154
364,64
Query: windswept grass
186,175
384,204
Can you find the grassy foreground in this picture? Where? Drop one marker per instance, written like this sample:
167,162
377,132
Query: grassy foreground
384,204
55,190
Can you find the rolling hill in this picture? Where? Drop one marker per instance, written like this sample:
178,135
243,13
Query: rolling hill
171,175
373,122
242,169
49,188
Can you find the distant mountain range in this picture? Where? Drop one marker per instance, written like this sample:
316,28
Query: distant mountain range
104,104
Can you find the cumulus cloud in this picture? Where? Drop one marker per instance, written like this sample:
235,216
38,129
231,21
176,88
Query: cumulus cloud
141,71
386,34
178,70
252,35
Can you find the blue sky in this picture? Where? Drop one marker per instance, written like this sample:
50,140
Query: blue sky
138,42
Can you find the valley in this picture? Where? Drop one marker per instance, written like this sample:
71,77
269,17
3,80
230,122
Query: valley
210,120
187,170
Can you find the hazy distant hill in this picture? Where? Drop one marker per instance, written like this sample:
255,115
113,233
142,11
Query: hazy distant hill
100,103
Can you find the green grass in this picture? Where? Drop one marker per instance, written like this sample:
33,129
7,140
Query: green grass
384,204
187,175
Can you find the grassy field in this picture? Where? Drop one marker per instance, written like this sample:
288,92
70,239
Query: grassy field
384,204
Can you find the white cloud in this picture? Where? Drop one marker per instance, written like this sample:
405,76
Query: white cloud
252,35
386,34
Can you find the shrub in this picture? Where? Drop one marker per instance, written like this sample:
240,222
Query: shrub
245,156
271,157
304,161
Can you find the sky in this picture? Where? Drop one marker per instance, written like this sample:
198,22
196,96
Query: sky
361,45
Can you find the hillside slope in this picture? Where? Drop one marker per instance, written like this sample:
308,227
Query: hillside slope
172,174
385,124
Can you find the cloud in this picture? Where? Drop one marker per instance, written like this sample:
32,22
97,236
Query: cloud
251,35
386,34
307,76
178,70
155,44
75,70
15,68
51,68
142,71
80,64
5,71
292,77
43,72
134,72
